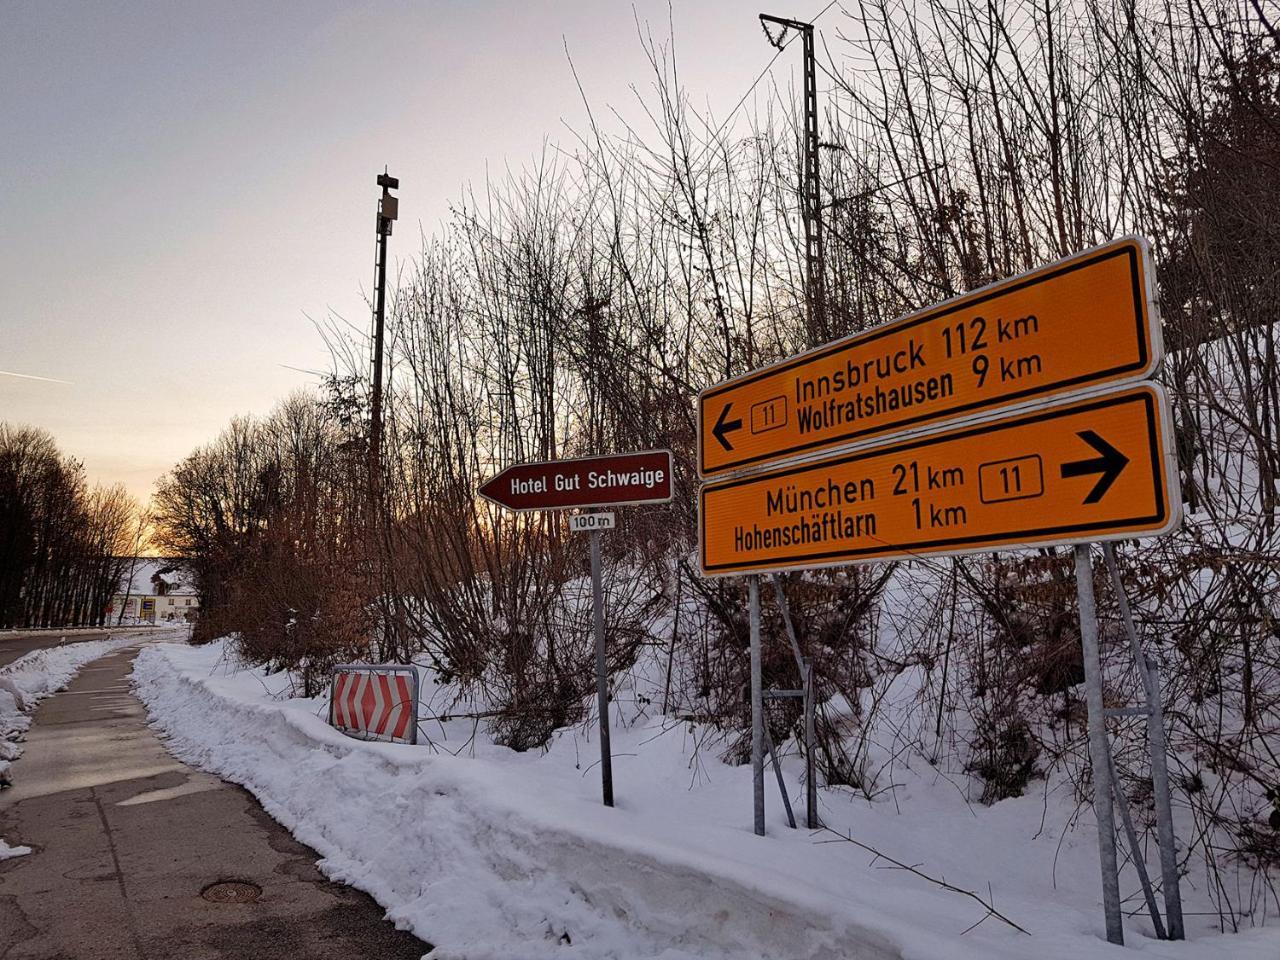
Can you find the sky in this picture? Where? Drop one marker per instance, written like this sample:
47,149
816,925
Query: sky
183,185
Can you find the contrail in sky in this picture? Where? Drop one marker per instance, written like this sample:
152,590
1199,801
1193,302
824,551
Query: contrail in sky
28,376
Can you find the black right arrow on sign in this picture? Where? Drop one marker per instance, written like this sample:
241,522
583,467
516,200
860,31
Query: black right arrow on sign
1109,465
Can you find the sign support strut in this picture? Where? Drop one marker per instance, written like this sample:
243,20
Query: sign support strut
805,666
1150,675
777,772
810,741
1135,850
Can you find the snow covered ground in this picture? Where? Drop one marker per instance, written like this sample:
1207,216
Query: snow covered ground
488,853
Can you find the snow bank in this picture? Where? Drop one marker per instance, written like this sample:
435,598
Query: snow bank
8,853
504,855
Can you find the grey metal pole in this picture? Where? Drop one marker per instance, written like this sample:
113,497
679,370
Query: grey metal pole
1161,794
757,707
388,212
1135,849
810,707
782,784
810,766
1164,811
785,610
1099,754
379,323
810,187
602,673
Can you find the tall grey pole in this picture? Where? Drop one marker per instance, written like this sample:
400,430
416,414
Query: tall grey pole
388,212
810,189
379,327
602,673
757,707
1150,675
1099,754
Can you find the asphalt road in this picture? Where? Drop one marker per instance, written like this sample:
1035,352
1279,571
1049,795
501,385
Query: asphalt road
126,839
15,645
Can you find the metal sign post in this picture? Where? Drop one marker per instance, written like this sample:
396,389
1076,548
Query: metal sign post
1108,795
609,480
602,671
1099,751
757,707
810,742
1006,417
1161,794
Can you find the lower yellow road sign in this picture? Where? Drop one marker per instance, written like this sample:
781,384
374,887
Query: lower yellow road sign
1096,468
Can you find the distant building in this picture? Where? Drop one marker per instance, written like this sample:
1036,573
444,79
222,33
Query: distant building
158,592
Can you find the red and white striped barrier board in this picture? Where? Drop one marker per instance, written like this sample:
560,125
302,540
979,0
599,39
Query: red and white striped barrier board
375,702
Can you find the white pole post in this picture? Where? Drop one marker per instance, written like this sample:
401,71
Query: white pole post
1099,754
757,707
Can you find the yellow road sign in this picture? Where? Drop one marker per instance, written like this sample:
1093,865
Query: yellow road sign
1094,468
1073,325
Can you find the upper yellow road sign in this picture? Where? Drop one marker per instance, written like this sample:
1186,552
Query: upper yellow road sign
1075,324
1099,467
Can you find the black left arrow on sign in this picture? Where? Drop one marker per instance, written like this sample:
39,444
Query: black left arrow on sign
724,427
1108,465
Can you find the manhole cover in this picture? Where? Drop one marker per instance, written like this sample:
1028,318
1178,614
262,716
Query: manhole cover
231,891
